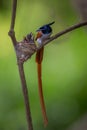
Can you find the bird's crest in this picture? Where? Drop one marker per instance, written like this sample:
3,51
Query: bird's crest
45,26
51,23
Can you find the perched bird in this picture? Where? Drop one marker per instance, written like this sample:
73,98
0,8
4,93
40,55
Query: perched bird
43,33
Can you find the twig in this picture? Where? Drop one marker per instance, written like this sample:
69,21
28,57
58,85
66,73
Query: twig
20,66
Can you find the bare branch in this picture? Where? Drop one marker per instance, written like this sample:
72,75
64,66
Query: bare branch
11,31
25,49
13,15
20,53
65,31
25,92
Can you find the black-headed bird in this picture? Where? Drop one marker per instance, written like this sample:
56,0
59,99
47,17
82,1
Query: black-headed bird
43,33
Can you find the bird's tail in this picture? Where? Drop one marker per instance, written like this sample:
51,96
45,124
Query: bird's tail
39,58
51,23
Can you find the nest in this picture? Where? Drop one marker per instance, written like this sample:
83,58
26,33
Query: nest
26,48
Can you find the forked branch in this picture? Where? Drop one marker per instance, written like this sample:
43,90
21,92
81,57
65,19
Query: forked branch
20,65
25,49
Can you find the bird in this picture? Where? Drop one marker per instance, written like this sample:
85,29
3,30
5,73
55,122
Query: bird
43,33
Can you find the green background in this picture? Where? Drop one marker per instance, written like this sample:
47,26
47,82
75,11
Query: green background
64,67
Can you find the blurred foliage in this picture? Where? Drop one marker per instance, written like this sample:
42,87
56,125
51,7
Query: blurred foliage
4,6
64,67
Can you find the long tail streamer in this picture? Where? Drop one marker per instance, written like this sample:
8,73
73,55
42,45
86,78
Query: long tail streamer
39,58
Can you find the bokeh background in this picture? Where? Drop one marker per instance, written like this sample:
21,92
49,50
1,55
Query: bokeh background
64,67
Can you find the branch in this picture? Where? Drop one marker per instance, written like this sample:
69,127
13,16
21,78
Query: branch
25,93
19,51
13,14
73,27
11,32
25,49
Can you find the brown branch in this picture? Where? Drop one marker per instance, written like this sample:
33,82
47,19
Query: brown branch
25,49
27,46
13,15
73,27
20,65
11,31
25,93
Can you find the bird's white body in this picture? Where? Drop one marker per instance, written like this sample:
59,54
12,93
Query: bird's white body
44,37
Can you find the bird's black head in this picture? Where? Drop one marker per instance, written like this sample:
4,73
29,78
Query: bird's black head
46,29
